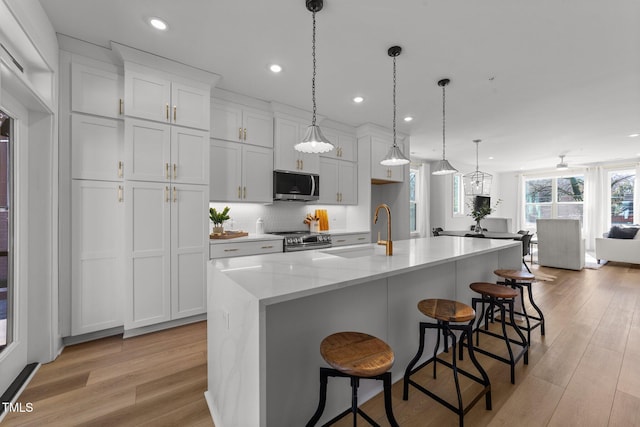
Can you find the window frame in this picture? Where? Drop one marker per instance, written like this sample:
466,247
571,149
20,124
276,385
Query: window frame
417,171
554,203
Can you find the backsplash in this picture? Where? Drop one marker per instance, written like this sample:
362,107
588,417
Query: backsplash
279,216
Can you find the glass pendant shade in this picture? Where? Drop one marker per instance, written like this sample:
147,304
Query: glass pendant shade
477,183
394,157
314,141
443,167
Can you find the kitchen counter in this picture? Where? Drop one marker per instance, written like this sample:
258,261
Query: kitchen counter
267,315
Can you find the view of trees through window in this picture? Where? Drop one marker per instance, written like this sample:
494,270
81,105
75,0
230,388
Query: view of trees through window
413,173
561,197
622,189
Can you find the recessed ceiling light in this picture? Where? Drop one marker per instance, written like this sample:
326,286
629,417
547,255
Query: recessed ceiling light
275,68
633,135
358,99
408,119
158,24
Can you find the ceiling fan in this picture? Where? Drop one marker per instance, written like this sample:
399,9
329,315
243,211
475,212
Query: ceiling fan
562,165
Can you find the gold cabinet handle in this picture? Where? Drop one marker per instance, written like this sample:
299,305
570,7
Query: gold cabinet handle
340,197
166,194
167,109
301,164
361,238
175,114
244,195
245,134
166,170
175,194
120,169
239,192
337,197
298,164
267,247
175,171
121,110
340,241
230,250
240,134
120,196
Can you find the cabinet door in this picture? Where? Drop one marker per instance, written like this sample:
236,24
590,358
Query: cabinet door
286,135
147,252
347,149
226,121
96,148
97,293
190,106
189,156
225,174
189,249
147,97
348,183
257,127
257,174
379,149
147,151
96,91
329,190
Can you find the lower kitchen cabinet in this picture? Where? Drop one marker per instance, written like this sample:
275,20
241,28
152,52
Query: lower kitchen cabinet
338,239
166,248
234,249
96,256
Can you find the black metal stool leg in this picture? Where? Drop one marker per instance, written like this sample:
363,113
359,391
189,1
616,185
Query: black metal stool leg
354,400
483,373
536,308
323,398
407,372
524,311
386,381
525,343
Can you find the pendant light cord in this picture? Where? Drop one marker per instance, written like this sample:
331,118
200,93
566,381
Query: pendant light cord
313,78
477,142
443,122
394,101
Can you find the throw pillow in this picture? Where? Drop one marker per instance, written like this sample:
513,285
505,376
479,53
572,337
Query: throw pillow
622,232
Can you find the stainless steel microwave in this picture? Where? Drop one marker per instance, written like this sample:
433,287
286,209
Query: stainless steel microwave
302,187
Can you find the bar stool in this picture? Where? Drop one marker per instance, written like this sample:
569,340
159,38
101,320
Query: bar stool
497,296
518,280
446,311
355,355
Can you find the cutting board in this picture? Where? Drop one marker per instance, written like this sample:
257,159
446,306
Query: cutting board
229,235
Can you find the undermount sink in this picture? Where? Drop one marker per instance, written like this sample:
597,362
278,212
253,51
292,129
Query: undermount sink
352,252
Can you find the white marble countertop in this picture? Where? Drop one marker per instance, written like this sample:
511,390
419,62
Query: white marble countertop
249,238
345,231
279,277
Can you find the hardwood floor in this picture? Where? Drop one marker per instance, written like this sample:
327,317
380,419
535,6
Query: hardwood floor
584,372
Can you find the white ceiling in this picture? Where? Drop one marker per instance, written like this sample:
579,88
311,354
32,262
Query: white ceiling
532,79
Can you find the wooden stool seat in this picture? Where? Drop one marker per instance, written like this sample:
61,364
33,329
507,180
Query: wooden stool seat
522,276
446,310
493,290
356,353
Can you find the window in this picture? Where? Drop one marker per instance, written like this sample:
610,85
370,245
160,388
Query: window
561,197
6,231
414,199
622,192
458,195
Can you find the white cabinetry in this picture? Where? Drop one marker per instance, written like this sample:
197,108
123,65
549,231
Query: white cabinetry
96,148
96,91
237,123
344,239
158,152
379,149
345,145
150,97
166,249
287,133
96,259
240,172
234,249
338,182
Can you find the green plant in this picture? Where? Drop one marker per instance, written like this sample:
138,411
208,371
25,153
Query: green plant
479,212
218,217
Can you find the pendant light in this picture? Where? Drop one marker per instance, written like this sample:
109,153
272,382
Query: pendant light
477,183
314,141
394,157
443,167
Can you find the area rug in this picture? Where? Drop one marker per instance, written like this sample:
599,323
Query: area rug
591,262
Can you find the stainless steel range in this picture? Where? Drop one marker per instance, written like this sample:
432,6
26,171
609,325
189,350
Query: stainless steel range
304,240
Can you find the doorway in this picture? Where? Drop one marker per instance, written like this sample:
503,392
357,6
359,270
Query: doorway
6,231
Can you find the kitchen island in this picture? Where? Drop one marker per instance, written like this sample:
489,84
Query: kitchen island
267,315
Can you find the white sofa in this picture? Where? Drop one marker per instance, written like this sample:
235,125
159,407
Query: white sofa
560,243
619,250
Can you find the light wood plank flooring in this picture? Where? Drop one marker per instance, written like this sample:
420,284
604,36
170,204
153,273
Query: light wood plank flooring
584,372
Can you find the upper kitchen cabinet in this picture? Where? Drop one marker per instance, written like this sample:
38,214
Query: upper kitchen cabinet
338,181
240,173
96,148
287,133
380,173
148,96
345,145
238,123
163,153
96,91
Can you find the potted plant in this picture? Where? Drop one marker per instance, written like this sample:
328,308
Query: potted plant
479,211
218,218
